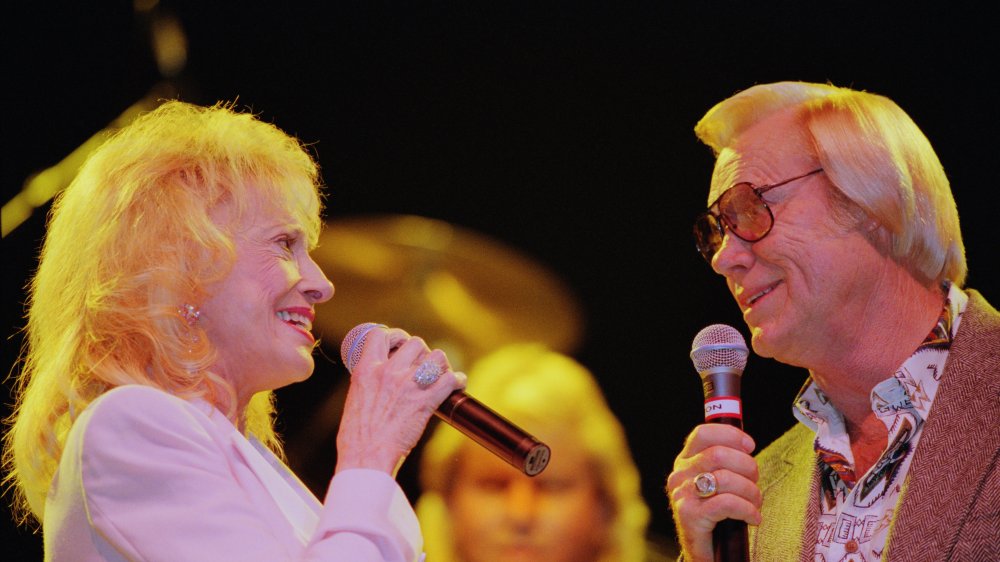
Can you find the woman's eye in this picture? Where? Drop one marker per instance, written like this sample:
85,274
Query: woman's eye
287,243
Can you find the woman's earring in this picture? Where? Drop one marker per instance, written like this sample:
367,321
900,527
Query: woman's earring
189,335
189,313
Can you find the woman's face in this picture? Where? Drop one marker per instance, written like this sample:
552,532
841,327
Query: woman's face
259,317
498,513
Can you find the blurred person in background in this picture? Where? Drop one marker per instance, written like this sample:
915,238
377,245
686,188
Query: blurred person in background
586,506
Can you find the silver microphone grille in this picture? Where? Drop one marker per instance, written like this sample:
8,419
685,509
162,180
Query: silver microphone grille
354,343
719,345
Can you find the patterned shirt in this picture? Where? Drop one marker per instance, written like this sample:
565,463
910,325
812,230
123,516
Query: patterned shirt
856,510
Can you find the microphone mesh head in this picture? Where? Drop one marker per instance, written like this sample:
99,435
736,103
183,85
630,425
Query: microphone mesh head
354,344
719,345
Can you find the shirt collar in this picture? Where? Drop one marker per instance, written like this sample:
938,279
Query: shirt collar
812,406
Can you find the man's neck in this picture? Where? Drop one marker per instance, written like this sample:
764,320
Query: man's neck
899,320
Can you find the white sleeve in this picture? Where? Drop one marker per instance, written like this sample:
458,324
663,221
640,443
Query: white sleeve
379,515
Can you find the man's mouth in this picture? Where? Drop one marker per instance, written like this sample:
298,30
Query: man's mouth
757,296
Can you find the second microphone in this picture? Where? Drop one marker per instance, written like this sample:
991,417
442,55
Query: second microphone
469,416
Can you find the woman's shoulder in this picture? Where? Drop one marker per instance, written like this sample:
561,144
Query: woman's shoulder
130,426
135,392
132,398
139,406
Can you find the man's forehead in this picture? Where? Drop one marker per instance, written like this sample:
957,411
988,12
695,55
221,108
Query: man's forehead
769,151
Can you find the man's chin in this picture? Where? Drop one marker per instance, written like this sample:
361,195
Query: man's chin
761,343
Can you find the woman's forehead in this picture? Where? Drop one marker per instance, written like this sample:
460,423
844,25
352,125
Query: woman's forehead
259,210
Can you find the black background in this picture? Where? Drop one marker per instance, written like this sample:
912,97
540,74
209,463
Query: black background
561,129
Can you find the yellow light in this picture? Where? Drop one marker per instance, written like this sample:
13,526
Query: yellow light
41,187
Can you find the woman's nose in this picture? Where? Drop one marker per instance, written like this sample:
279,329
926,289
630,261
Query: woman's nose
315,283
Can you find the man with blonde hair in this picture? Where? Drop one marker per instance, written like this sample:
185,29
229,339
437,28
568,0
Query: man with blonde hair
833,223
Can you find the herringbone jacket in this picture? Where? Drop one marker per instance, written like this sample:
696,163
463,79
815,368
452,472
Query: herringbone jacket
950,503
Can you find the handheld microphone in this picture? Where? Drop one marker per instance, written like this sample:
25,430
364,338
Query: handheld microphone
719,354
469,416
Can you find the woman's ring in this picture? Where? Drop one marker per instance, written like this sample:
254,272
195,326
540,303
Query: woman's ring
427,373
706,484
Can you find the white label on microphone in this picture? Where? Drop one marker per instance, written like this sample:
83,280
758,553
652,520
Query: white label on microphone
723,407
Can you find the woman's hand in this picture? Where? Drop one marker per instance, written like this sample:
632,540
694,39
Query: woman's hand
386,410
724,451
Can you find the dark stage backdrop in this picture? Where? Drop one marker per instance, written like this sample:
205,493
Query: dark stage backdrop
561,129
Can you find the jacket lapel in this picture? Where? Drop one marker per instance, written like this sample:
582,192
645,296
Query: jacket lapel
790,513
296,503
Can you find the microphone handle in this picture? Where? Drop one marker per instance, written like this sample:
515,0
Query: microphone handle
494,432
730,541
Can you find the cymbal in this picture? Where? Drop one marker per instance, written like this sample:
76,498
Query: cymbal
461,291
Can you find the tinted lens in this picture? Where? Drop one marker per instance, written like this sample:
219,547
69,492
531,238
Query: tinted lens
707,235
745,212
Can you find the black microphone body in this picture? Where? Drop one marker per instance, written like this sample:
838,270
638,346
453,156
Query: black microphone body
719,354
471,417
494,432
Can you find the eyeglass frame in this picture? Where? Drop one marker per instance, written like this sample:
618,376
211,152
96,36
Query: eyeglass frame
722,223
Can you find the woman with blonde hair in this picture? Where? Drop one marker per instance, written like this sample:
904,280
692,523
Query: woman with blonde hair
175,291
586,506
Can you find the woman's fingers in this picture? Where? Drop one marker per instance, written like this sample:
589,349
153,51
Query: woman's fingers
396,386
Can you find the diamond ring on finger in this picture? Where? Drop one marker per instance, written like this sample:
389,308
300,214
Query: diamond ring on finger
427,373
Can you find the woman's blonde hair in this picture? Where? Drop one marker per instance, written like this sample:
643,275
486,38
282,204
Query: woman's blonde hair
129,244
877,158
540,390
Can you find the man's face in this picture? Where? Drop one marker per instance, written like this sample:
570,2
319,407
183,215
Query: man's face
804,287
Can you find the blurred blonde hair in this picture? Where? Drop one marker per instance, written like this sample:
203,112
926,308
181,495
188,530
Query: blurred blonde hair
877,158
130,242
540,390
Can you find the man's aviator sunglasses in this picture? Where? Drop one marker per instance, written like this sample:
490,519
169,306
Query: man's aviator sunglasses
742,210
